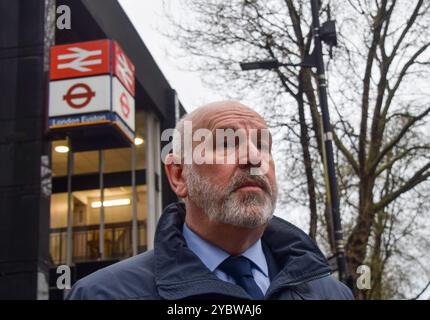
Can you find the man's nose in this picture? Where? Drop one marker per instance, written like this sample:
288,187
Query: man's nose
249,156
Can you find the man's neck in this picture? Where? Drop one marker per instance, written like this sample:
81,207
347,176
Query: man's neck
234,240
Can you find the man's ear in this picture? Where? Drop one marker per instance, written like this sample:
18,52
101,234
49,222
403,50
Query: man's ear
174,169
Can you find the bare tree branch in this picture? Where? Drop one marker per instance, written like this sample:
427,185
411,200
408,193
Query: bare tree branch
398,157
389,146
421,175
348,155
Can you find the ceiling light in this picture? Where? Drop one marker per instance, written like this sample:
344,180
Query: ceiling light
62,149
138,141
111,203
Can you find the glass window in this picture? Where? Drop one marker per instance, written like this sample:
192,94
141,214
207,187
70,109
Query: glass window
86,162
86,222
116,160
59,158
140,134
86,204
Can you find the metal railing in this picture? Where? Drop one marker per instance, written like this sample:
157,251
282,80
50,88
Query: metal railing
117,242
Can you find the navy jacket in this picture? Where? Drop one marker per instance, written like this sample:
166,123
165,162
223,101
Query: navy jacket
297,268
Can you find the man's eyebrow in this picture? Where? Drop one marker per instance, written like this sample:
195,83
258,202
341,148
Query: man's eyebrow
232,127
226,128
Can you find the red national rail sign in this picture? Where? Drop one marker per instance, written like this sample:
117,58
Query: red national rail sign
94,77
123,68
80,59
91,58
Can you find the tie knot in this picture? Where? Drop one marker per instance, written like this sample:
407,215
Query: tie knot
236,266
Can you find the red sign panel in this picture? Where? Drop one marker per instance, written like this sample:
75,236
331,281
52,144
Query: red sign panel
123,68
80,59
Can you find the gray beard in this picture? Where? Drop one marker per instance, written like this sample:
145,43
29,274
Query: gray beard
249,210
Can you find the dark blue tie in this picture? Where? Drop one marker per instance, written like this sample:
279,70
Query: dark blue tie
239,268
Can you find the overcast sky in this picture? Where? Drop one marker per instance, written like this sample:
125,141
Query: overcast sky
148,18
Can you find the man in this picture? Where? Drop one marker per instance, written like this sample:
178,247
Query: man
222,241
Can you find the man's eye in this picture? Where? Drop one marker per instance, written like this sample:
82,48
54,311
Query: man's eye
263,146
229,144
220,145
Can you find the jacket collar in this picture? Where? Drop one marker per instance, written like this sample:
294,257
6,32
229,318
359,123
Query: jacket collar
179,273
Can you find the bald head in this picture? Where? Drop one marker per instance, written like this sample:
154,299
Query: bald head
208,115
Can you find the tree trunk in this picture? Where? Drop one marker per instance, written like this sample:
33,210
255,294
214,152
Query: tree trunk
356,247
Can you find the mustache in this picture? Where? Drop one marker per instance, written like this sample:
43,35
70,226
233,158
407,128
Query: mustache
246,179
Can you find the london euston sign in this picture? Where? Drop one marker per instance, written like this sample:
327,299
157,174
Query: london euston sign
92,83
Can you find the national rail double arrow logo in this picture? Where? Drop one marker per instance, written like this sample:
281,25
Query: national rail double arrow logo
79,95
81,59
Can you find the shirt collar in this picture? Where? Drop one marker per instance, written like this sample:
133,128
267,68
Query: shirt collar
212,256
255,254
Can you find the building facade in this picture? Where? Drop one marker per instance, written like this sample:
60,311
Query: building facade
63,200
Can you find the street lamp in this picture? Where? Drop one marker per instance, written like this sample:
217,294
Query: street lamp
308,62
326,33
270,64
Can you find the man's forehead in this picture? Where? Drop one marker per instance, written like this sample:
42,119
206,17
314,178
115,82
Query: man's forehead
225,115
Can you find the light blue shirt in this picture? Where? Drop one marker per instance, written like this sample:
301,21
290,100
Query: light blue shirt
212,256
